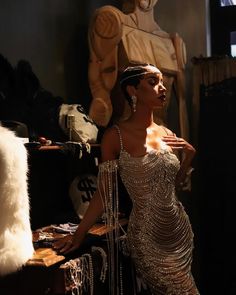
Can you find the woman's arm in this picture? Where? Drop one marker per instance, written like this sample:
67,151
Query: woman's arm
95,209
73,242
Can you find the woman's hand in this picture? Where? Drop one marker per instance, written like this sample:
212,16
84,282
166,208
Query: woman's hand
72,242
178,143
68,243
184,173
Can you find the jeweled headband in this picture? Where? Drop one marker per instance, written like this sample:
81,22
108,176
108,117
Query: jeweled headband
136,68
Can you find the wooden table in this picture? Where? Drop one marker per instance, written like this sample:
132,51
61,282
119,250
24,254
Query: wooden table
45,272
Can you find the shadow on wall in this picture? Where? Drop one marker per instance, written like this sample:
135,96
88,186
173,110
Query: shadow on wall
76,54
76,69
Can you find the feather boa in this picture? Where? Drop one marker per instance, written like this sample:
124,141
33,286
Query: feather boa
16,245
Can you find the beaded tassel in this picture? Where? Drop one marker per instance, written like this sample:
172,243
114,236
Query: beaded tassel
108,189
104,262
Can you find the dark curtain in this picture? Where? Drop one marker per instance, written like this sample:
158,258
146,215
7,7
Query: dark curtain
217,187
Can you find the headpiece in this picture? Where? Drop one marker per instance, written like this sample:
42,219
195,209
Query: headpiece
134,71
131,76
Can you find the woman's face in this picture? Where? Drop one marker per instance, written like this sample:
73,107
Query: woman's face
150,91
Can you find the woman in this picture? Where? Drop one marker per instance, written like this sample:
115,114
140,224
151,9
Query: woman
159,233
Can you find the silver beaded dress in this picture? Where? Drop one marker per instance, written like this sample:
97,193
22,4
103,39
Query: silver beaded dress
159,233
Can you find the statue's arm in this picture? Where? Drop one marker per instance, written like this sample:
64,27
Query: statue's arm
104,36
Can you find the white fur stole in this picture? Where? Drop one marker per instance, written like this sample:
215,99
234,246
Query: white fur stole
16,245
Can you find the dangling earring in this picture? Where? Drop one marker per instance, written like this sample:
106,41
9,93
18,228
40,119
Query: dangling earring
134,102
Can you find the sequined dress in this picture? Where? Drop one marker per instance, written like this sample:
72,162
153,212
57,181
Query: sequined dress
159,232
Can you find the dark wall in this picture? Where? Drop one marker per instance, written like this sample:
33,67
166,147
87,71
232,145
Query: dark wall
52,36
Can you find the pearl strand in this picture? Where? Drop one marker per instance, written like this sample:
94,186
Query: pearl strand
104,262
89,266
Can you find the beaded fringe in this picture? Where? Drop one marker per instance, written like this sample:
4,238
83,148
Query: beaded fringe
79,273
108,189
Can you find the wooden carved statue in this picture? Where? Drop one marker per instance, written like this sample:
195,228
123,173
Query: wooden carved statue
120,38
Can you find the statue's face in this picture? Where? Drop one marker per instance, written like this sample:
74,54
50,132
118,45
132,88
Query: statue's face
146,5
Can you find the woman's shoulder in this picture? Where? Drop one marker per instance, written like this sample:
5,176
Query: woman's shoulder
110,144
110,133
